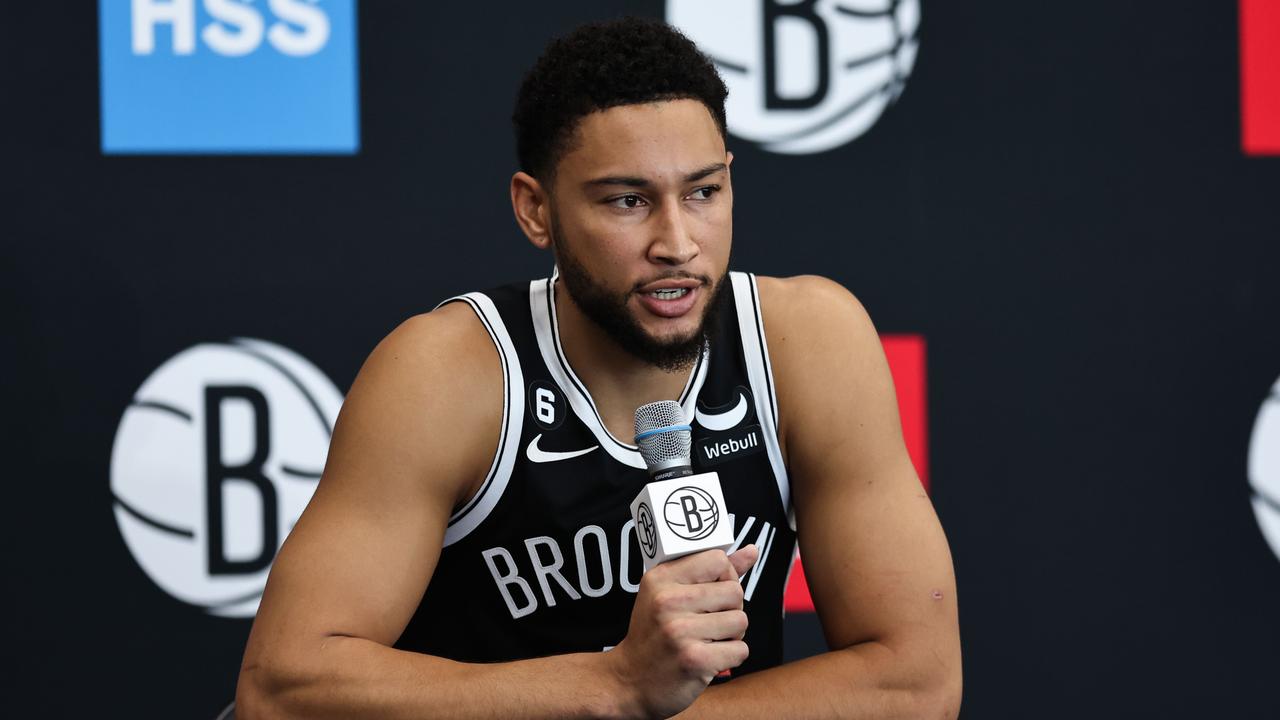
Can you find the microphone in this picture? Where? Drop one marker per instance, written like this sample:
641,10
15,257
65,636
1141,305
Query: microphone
665,439
678,513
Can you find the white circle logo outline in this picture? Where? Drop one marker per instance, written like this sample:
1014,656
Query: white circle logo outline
1264,468
275,414
806,76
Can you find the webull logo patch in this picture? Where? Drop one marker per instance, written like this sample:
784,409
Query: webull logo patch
727,446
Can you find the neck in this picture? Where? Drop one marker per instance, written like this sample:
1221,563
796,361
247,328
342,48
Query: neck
618,381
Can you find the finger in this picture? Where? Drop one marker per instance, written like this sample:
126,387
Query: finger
725,654
708,659
743,559
708,597
705,566
723,595
722,625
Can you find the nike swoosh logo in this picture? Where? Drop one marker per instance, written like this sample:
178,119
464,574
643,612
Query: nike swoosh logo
545,456
725,420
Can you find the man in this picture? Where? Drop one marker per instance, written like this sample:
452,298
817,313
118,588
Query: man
468,551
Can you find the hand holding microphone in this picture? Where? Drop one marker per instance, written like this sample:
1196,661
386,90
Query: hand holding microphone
679,513
687,624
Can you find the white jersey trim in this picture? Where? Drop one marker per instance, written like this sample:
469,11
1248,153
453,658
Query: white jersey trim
466,519
542,303
755,349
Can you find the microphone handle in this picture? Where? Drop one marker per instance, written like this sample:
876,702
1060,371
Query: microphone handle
672,471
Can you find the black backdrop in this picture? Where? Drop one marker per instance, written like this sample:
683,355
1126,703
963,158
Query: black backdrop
1058,203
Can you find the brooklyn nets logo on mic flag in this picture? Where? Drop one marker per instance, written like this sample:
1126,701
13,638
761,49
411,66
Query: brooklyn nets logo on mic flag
691,513
645,531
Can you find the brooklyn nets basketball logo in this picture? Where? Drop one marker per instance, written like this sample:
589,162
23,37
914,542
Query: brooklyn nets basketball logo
808,75
646,533
1264,468
691,513
212,464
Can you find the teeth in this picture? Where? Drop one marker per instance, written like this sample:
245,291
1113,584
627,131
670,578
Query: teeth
670,294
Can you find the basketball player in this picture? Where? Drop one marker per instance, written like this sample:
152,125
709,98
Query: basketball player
468,552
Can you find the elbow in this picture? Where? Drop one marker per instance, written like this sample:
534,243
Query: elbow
296,678
255,699
251,701
927,682
266,689
941,699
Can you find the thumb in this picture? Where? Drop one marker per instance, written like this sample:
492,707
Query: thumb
744,558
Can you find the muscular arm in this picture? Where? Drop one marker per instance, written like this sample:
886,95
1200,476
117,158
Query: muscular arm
416,433
875,556
415,436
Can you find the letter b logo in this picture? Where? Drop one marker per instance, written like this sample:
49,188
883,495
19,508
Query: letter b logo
804,76
802,27
250,472
691,513
692,518
212,464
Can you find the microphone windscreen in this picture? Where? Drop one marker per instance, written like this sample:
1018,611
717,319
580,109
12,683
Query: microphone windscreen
663,449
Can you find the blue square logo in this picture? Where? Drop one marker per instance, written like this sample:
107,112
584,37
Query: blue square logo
229,76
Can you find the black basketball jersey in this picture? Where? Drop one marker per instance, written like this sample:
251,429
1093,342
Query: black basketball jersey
544,558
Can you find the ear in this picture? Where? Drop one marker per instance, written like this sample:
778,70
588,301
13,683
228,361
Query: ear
531,205
728,172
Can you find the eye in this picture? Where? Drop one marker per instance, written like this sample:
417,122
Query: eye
626,202
705,192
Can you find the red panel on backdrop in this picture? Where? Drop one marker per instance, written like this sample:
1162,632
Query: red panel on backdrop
1260,76
906,362
906,356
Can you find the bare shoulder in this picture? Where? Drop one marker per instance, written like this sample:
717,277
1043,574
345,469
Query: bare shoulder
430,395
824,351
809,313
449,339
437,362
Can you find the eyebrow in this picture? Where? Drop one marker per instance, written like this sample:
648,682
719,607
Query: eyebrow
694,176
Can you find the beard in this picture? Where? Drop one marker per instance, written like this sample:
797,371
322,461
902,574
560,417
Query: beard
608,310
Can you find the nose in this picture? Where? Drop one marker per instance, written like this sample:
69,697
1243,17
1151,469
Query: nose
672,242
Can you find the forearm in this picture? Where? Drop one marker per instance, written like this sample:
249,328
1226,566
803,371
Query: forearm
868,681
350,677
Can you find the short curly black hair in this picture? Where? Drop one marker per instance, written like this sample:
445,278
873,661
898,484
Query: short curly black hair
602,65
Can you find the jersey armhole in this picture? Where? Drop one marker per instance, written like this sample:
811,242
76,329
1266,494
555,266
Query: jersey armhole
474,512
755,350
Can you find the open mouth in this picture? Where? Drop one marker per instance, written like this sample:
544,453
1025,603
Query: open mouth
670,293
670,302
